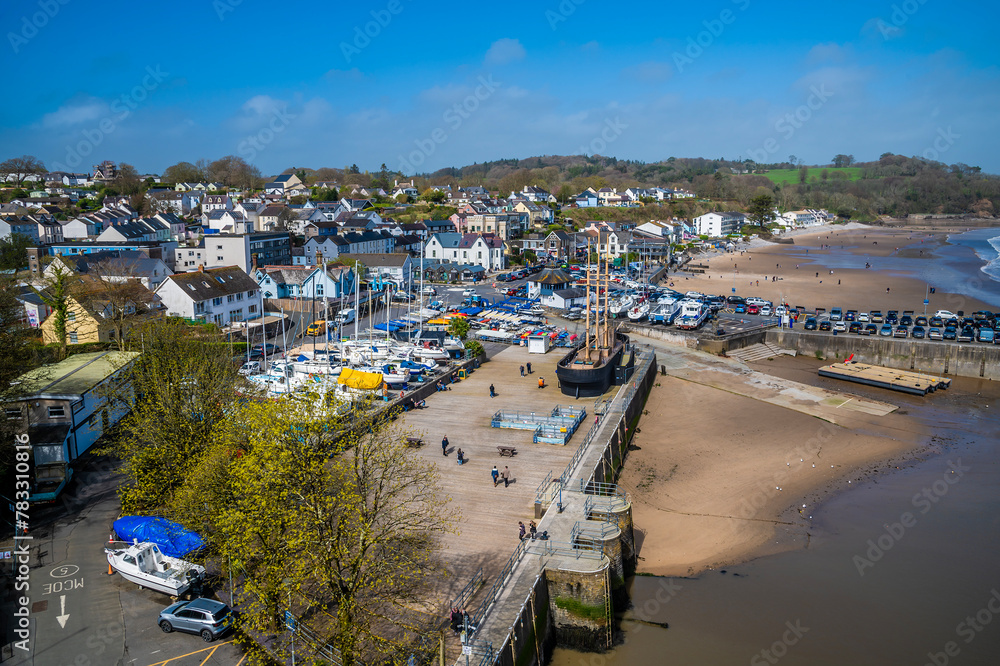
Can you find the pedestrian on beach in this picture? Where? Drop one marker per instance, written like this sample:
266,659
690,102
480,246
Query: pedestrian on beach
887,290
495,473
520,530
461,456
444,445
493,391
529,368
505,475
522,371
532,529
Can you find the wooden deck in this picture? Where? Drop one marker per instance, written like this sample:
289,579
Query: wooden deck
890,378
487,532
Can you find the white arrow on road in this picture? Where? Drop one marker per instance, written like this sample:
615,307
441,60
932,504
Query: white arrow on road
62,609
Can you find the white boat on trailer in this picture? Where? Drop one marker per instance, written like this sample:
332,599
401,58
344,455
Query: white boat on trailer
144,564
639,312
693,314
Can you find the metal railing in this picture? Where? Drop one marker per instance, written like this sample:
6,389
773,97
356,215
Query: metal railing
469,590
550,548
497,588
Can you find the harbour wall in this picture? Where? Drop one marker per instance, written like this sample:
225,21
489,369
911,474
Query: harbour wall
933,357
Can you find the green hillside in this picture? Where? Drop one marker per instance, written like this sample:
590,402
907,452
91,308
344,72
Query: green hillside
791,176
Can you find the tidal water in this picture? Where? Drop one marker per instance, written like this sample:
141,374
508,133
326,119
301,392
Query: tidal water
901,569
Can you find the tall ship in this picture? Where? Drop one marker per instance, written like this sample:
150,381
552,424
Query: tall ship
602,359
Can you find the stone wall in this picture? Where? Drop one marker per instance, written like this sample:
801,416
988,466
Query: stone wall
934,357
578,603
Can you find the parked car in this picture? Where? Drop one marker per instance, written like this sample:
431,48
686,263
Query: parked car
945,314
753,309
934,333
892,317
869,329
901,332
851,315
825,325
864,317
733,300
740,308
920,321
318,327
265,348
918,332
987,335
937,321
811,324
967,334
906,320
430,291
765,310
836,314
208,618
840,326
250,368
876,316
855,327
885,331
950,333
757,300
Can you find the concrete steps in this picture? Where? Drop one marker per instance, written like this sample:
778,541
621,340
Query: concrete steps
758,352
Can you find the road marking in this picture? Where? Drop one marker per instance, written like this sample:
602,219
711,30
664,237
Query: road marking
209,655
64,571
181,656
63,615
844,403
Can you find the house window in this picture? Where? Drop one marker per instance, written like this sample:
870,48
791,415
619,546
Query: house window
217,301
220,259
230,298
252,309
13,412
218,247
71,316
239,297
72,337
57,412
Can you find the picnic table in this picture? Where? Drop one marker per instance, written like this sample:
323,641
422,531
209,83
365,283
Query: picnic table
415,442
509,451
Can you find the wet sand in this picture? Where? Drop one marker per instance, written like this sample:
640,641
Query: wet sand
898,258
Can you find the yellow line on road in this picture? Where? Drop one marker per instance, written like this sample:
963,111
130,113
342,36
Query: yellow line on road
181,656
209,655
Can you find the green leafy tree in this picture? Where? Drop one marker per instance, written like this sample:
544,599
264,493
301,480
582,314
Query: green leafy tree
14,252
459,327
842,160
16,359
761,209
183,172
433,196
56,294
803,173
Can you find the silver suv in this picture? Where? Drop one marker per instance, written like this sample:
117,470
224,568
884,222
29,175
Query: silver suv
206,617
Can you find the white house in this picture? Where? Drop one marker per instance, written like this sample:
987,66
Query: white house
217,295
717,225
216,202
484,250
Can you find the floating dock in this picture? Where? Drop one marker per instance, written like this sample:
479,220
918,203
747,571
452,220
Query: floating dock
882,377
552,428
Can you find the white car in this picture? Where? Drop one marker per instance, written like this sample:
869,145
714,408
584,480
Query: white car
863,317
780,311
840,327
946,314
250,368
756,300
430,291
468,293
765,310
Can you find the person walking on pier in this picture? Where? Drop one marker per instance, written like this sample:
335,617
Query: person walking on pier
505,475
532,529
529,368
522,371
496,476
520,530
444,445
493,391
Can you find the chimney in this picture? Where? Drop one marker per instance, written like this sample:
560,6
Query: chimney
201,268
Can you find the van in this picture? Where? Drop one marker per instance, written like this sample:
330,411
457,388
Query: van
318,327
346,316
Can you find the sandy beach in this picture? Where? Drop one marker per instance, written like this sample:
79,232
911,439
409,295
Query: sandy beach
721,475
826,268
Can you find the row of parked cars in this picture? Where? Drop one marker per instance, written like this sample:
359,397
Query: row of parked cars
982,326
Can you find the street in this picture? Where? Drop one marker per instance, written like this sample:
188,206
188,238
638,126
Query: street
81,616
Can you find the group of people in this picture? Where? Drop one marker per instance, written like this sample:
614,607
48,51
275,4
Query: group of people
532,530
497,475
460,619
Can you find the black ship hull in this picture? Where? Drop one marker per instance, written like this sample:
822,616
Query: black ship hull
589,381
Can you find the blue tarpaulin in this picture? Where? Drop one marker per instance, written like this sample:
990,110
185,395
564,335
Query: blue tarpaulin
174,540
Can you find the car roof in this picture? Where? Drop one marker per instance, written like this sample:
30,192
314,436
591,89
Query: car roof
202,603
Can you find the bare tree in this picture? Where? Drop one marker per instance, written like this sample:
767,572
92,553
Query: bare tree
21,167
113,291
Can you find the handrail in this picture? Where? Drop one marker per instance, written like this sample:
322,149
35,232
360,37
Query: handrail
469,590
498,585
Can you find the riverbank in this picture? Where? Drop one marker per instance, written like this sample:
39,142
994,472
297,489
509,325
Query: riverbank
826,267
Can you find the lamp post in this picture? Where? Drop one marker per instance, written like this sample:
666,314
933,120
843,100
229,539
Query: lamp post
289,618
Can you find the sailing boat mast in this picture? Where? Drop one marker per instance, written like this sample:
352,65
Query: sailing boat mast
586,345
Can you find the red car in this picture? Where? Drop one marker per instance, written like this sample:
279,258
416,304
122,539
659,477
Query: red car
753,309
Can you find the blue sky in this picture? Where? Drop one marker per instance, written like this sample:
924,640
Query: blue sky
443,84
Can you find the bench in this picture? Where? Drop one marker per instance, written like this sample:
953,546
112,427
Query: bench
414,442
506,450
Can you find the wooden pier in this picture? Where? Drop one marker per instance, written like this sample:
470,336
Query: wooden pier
882,377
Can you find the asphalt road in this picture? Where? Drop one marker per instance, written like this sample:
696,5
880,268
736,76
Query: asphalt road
80,615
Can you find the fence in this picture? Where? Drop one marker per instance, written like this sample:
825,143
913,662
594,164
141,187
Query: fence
469,590
498,585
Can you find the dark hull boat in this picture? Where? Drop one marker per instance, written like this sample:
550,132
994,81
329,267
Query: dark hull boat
581,378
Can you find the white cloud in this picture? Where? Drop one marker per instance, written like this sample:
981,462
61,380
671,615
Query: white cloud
75,113
651,71
828,52
504,51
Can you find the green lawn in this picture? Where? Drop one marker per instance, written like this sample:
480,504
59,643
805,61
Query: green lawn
782,176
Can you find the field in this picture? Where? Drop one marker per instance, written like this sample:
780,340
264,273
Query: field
782,176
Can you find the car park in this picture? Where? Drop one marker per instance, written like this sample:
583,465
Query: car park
901,332
825,325
208,618
885,331
811,324
934,333
918,332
